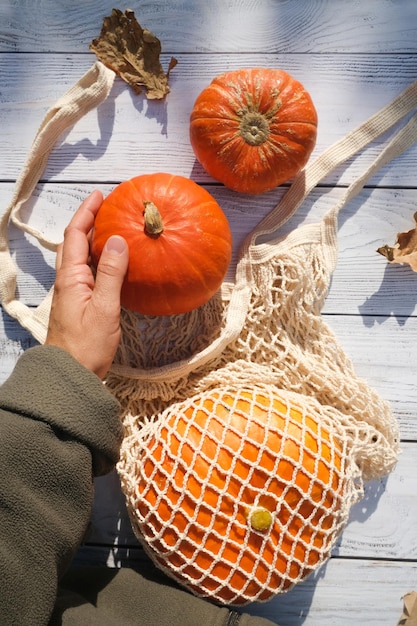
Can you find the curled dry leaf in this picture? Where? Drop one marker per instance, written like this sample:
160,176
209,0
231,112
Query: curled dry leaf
133,53
409,616
404,249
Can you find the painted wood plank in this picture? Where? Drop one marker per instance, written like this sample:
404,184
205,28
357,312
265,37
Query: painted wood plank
346,592
129,135
14,340
363,282
353,57
376,26
381,526
382,354
380,298
343,592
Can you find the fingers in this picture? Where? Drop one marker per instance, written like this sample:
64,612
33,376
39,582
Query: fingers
85,314
110,273
83,218
76,245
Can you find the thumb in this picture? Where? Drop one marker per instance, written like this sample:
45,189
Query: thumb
111,271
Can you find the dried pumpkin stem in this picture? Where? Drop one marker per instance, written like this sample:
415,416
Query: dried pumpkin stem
153,220
254,128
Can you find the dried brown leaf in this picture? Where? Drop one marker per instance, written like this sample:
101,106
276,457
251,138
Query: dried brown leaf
133,53
409,616
404,249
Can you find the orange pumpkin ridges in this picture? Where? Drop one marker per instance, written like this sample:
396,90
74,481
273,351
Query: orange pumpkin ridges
253,129
215,461
179,239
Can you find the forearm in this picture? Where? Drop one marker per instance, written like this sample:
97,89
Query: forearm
59,427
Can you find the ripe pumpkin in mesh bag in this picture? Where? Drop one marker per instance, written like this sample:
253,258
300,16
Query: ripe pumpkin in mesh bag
239,493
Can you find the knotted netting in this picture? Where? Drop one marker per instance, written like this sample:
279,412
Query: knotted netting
194,388
277,424
240,492
248,434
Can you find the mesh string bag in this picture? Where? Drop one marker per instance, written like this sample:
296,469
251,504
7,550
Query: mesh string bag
240,491
248,434
242,457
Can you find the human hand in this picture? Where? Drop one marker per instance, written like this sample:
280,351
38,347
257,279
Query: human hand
85,313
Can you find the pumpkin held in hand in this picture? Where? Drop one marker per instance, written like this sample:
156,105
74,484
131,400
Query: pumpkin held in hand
179,240
240,493
253,129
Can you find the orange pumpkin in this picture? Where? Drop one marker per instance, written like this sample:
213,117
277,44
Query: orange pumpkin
253,129
239,494
179,241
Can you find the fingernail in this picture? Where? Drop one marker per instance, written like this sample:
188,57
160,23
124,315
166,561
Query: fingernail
115,244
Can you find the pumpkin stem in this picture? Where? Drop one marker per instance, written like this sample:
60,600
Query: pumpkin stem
254,128
260,518
153,220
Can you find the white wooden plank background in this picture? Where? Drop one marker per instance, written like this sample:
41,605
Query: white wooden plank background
353,57
328,26
149,135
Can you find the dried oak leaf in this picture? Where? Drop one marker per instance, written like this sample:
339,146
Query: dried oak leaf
404,249
133,53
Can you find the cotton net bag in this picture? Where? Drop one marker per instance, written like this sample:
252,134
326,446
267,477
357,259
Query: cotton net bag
248,435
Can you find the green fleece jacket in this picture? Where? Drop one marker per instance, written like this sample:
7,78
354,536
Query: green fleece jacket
59,428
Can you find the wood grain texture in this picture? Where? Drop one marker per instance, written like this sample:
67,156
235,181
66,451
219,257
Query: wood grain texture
384,355
305,26
128,134
345,593
363,282
353,57
370,304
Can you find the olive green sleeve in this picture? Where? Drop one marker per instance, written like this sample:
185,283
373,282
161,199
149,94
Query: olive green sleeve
113,597
59,427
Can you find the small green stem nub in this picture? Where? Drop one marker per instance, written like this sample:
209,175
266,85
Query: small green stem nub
153,220
260,518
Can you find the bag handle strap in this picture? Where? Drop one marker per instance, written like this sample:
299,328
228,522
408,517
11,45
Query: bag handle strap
335,155
401,142
85,95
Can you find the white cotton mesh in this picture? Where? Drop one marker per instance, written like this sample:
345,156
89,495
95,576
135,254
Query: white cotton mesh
211,462
188,510
261,337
